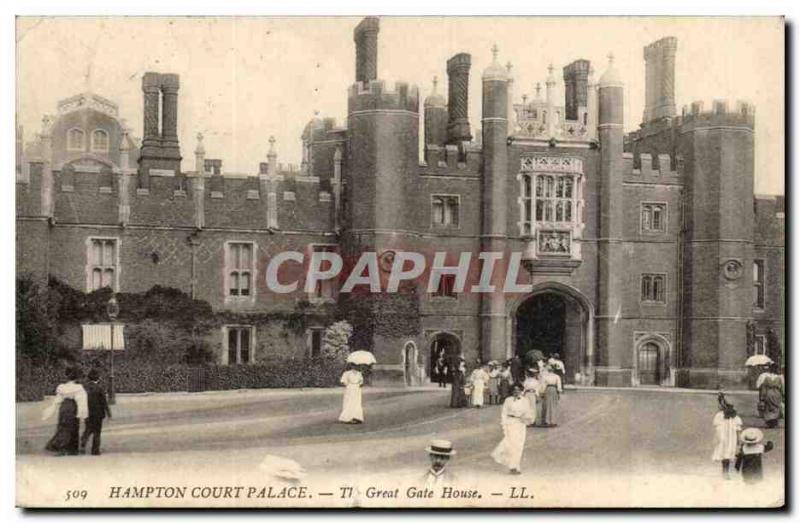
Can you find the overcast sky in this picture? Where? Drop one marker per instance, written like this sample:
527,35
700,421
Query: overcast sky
244,79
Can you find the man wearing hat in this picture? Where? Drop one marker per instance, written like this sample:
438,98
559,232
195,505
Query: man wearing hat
748,461
439,451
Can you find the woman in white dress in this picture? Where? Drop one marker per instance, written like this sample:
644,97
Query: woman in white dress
479,379
727,426
352,411
531,389
514,420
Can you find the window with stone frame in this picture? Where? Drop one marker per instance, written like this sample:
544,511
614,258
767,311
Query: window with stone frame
100,141
653,288
75,139
103,261
548,198
447,286
445,210
240,265
239,344
654,217
758,284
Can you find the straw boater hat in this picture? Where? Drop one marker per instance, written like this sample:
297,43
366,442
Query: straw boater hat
442,447
752,436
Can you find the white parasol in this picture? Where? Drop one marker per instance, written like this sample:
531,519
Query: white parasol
757,360
362,357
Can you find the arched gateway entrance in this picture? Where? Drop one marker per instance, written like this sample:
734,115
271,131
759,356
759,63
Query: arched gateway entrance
447,347
556,318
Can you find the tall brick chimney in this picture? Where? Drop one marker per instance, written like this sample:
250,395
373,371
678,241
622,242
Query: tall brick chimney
576,88
366,37
458,98
660,79
160,147
151,87
170,83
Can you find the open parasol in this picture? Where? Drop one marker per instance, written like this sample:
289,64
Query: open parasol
757,360
361,357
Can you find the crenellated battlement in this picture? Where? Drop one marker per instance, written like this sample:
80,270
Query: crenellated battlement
645,166
448,160
374,95
721,112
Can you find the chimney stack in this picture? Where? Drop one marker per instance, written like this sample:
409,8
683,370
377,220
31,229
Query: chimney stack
170,83
660,79
151,87
160,147
576,88
365,36
458,99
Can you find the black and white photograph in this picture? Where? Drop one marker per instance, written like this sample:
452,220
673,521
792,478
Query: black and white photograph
400,262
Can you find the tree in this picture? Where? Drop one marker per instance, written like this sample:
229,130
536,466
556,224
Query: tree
336,340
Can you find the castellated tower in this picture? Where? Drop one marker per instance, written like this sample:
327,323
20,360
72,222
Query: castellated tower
383,127
611,258
717,149
494,203
382,165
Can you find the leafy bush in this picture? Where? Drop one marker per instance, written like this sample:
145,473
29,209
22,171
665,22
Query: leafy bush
335,342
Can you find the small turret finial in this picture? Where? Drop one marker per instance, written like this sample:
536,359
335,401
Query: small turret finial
610,58
524,99
495,52
538,90
550,69
508,67
316,113
435,83
271,146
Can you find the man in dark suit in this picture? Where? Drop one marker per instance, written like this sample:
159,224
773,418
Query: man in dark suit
517,372
98,409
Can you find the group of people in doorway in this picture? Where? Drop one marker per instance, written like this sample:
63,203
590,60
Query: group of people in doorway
493,382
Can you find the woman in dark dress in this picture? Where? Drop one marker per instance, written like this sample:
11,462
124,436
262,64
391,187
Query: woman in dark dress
770,396
458,399
72,406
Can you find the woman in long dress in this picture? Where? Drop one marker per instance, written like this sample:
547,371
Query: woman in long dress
72,406
770,397
479,379
458,399
514,419
727,426
551,389
531,389
352,412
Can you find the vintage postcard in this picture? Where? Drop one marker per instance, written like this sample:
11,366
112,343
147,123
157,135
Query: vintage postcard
377,262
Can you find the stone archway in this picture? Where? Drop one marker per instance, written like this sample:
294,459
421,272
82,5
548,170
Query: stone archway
651,362
555,318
